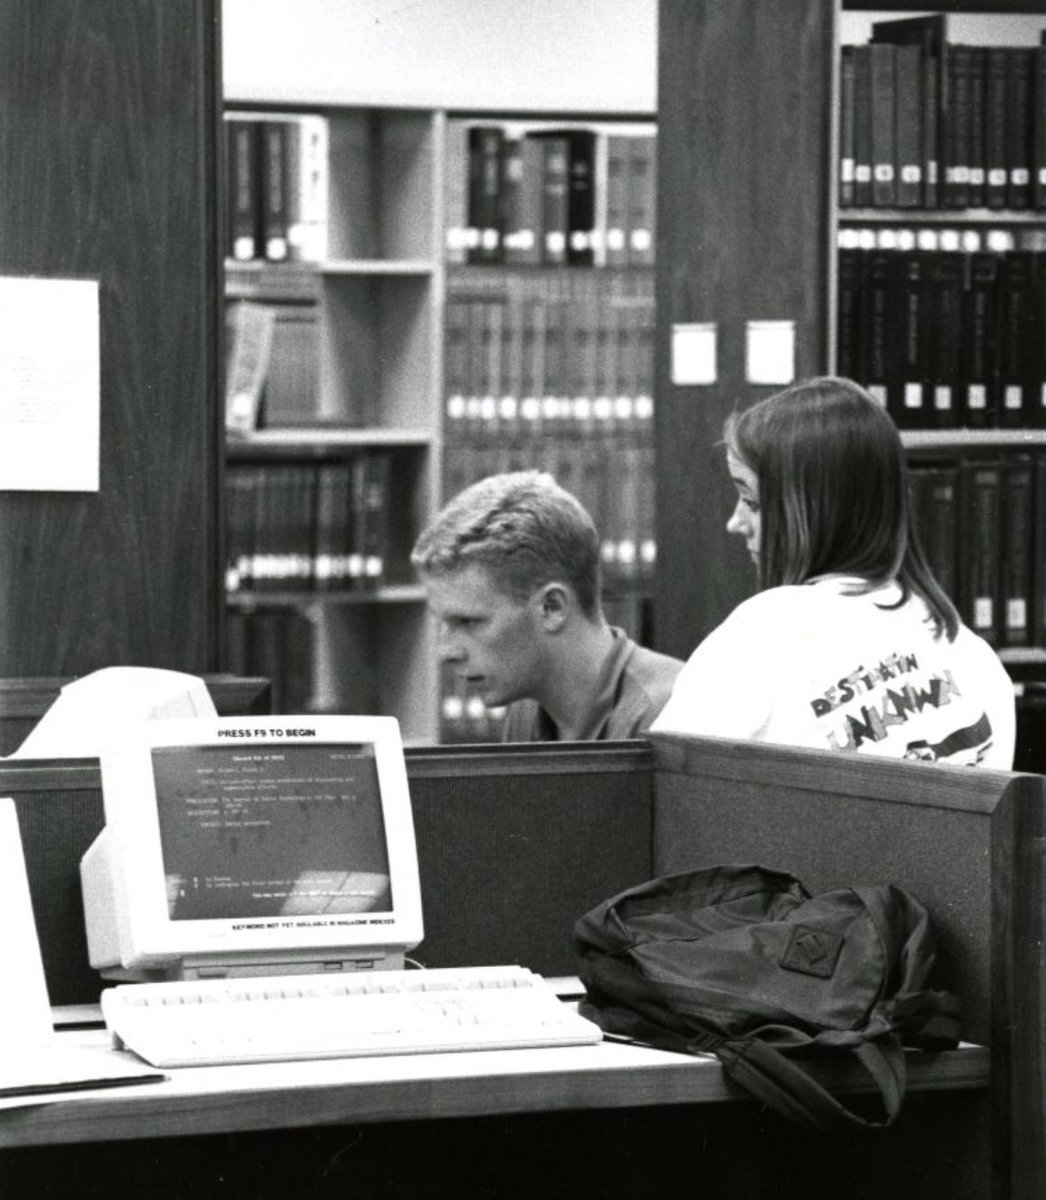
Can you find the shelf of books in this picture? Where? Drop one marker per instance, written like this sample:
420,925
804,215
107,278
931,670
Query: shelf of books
941,300
333,281
415,301
548,345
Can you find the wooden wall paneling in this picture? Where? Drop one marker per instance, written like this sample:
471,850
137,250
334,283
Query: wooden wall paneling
744,143
109,168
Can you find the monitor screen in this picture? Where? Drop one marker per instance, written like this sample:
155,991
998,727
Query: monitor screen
251,845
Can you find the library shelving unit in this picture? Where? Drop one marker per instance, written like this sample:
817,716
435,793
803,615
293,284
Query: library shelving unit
751,125
369,311
420,339
548,346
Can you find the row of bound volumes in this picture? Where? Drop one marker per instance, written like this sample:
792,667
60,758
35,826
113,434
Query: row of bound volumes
571,196
272,367
277,644
277,173
982,524
925,123
943,330
307,527
554,371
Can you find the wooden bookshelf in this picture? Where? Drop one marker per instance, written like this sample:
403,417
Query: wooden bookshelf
377,309
750,158
369,386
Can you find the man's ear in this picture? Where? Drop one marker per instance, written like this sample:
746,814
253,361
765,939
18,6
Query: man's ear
556,600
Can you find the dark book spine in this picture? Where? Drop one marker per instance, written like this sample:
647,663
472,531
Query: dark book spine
980,340
1019,128
275,197
996,122
884,105
1038,59
981,548
947,286
935,500
581,198
484,195
877,322
862,126
848,315
1018,540
1018,338
976,135
615,231
908,376
909,135
556,200
957,170
642,199
847,72
244,189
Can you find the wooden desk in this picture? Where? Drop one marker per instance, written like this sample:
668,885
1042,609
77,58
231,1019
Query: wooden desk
235,1099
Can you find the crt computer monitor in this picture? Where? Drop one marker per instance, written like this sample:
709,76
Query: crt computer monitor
252,845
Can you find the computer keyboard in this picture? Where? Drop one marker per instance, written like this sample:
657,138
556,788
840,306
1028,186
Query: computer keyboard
280,1018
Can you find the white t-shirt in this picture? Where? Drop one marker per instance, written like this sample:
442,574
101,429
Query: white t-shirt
812,666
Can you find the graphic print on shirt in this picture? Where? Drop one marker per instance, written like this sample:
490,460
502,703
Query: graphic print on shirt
873,704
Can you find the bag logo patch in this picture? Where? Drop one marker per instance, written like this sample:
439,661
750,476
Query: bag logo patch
812,951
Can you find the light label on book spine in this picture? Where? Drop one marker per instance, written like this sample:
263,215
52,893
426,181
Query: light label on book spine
694,354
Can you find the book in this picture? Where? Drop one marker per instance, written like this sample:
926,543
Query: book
250,332
243,188
877,322
847,71
908,367
930,34
976,133
555,207
882,64
275,217
581,202
1038,130
958,127
908,79
642,199
848,306
1019,127
521,188
981,534
484,194
935,503
1019,339
616,206
291,395
980,344
1017,556
996,122
862,136
947,292
309,187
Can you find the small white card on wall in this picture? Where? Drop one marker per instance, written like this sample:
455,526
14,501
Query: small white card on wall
770,352
50,385
694,354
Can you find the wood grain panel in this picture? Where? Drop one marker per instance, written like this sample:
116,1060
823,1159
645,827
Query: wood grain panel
745,91
108,162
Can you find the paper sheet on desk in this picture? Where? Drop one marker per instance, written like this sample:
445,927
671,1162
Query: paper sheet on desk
44,1073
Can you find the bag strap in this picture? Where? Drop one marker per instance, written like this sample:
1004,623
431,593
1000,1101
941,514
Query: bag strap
782,1084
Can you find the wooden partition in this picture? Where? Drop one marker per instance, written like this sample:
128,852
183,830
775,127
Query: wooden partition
968,843
23,701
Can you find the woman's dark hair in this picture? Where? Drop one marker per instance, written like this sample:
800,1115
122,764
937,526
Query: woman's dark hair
834,492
